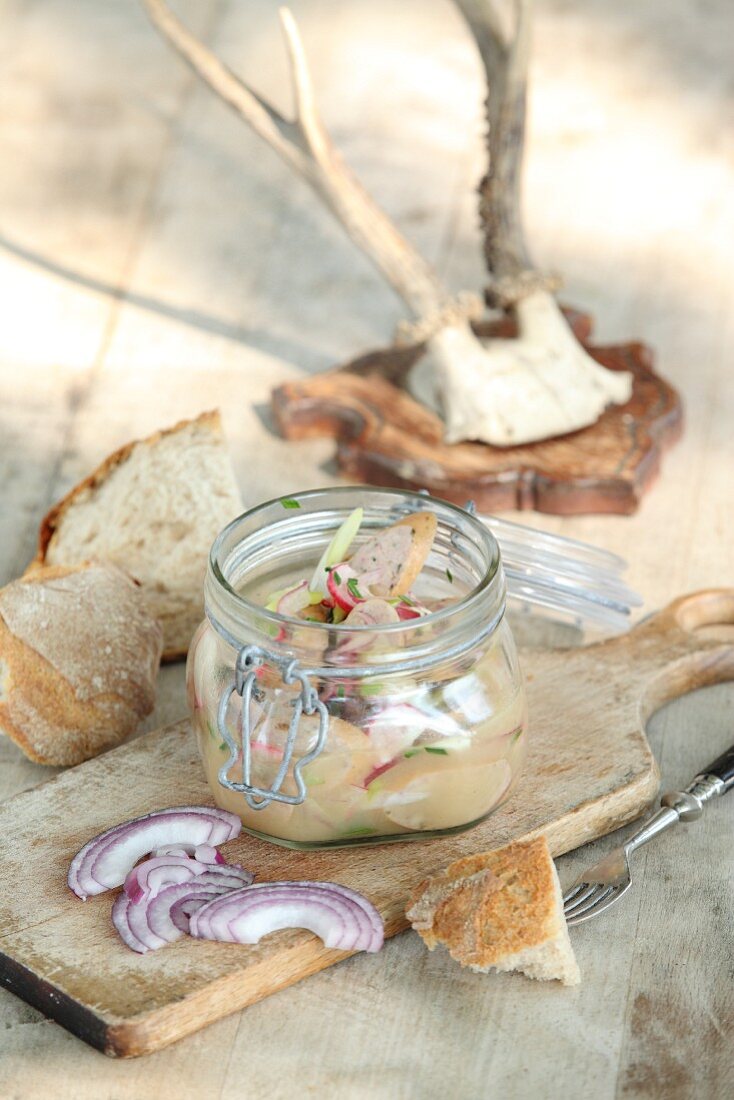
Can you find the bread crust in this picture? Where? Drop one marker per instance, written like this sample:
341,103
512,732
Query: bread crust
495,910
61,712
53,517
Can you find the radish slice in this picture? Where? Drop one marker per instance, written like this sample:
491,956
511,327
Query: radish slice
294,600
342,918
106,859
346,587
410,612
288,601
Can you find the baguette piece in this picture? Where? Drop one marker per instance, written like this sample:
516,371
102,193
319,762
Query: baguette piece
500,910
153,508
79,655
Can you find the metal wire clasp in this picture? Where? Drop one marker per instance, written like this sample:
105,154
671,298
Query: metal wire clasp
249,659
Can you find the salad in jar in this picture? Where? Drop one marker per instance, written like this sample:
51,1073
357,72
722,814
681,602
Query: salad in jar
366,694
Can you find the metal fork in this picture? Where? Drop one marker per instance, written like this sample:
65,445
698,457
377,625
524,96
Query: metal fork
604,883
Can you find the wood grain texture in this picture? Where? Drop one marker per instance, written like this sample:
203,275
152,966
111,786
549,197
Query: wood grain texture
385,437
591,770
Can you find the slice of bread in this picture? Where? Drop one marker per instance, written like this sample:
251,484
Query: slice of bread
79,658
154,508
499,910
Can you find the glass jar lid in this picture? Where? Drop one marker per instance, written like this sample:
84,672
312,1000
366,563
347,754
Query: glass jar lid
568,579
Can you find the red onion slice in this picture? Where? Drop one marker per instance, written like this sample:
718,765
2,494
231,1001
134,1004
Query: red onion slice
169,912
203,853
232,877
120,921
151,876
342,918
107,858
164,917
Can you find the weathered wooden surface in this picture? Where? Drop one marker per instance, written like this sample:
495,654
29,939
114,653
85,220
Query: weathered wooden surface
385,437
592,771
155,258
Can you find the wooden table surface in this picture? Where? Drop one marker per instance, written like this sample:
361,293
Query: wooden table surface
155,260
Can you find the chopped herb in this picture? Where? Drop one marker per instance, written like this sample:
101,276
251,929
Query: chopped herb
427,748
372,689
353,587
516,735
407,600
450,576
337,578
362,830
223,746
212,732
340,692
288,502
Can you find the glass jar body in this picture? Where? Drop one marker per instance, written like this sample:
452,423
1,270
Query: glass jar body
405,755
425,728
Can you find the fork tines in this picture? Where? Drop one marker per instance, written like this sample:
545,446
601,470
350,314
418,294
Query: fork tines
585,900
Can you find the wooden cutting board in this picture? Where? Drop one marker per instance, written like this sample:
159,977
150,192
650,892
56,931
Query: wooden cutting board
590,770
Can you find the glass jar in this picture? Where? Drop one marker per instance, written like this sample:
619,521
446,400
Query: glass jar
322,735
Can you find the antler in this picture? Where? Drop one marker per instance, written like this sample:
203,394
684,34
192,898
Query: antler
305,145
504,52
506,392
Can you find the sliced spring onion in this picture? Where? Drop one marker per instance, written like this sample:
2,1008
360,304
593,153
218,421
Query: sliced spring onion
337,549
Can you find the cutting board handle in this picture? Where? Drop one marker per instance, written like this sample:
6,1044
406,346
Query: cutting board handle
708,607
672,656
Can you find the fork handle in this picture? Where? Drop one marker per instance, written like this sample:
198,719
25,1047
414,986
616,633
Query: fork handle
687,805
716,779
654,825
722,768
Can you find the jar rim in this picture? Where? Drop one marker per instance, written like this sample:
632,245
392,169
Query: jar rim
485,538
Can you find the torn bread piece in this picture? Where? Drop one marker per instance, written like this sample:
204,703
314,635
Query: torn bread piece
79,658
500,910
153,508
